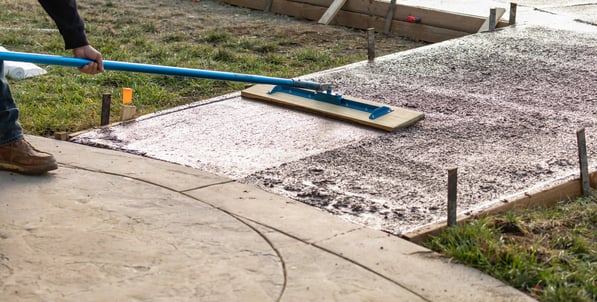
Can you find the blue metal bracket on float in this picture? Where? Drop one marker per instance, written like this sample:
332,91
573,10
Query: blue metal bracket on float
335,99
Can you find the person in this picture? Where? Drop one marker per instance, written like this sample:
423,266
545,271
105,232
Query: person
16,154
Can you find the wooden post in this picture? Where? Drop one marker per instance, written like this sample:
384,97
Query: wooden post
105,117
371,44
390,17
452,195
61,135
127,112
584,165
492,19
512,20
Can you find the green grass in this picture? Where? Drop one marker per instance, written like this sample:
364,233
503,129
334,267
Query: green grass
66,100
551,253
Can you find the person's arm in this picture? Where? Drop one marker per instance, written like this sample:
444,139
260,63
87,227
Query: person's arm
72,28
68,21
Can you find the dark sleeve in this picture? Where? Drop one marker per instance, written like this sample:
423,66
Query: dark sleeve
68,20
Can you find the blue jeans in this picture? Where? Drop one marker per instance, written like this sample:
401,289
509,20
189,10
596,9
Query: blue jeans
10,130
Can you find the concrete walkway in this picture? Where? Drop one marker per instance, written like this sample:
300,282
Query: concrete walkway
109,226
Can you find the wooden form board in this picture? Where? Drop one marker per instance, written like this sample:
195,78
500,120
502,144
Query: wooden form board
399,118
545,198
432,17
435,26
415,31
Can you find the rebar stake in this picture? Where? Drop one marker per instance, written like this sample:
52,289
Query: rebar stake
492,19
389,17
512,19
371,44
452,195
105,117
584,165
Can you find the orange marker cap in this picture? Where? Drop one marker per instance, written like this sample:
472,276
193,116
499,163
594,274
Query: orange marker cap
127,95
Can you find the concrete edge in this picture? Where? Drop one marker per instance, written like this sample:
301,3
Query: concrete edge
406,264
547,196
410,266
174,176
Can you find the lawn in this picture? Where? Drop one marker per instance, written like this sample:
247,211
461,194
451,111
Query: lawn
204,35
550,253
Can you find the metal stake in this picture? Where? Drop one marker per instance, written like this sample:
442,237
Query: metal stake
268,6
371,44
389,16
512,20
452,195
582,159
105,117
492,19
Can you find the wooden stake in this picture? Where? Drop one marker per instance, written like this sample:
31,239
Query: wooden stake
127,112
452,195
331,12
584,165
512,20
390,16
61,135
106,102
492,19
371,44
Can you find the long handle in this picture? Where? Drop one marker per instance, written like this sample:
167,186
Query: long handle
159,69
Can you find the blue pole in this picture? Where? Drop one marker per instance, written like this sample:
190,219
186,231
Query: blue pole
159,69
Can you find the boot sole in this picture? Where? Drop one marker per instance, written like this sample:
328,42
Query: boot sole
28,170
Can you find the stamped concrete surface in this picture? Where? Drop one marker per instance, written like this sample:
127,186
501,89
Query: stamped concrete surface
101,229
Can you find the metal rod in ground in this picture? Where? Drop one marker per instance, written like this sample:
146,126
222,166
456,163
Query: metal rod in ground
492,19
268,6
371,44
105,117
452,195
584,165
512,19
389,17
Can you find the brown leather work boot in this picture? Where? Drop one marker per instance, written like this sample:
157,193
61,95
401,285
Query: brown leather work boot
19,156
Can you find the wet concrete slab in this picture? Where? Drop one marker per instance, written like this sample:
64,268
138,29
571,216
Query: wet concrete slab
229,135
503,107
586,13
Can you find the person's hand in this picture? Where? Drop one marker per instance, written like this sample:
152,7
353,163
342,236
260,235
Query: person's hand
89,52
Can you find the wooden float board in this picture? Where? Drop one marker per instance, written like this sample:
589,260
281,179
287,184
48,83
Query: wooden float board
399,118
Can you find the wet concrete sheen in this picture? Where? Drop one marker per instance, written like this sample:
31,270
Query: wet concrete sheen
503,107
